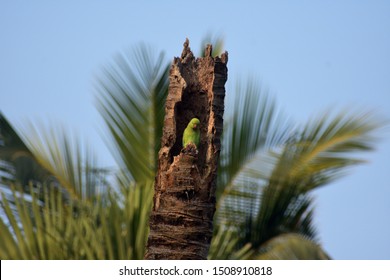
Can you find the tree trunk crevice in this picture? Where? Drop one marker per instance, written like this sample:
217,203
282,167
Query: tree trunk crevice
184,200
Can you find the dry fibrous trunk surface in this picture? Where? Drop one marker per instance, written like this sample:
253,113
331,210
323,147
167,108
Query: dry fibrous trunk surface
181,222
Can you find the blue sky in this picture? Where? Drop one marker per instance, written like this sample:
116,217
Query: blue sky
312,55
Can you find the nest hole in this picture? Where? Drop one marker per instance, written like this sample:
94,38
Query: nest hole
194,104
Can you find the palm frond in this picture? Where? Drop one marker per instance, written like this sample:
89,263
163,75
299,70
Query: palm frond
226,245
31,233
254,126
10,142
291,247
131,100
17,163
325,149
282,210
274,201
73,166
125,228
51,228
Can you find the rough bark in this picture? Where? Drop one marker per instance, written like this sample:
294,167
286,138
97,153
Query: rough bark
181,222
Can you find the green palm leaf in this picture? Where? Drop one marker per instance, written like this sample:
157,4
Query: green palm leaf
226,245
325,148
282,210
131,99
292,247
10,142
73,166
110,228
311,159
253,127
16,159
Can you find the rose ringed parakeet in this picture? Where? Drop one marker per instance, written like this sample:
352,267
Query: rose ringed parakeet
192,133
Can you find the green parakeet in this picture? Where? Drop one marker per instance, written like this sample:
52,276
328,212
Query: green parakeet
192,133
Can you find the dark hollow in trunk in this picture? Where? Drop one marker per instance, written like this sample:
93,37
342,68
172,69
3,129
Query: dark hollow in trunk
181,222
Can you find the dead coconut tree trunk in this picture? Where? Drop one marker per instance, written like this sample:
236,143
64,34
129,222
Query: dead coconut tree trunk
181,222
